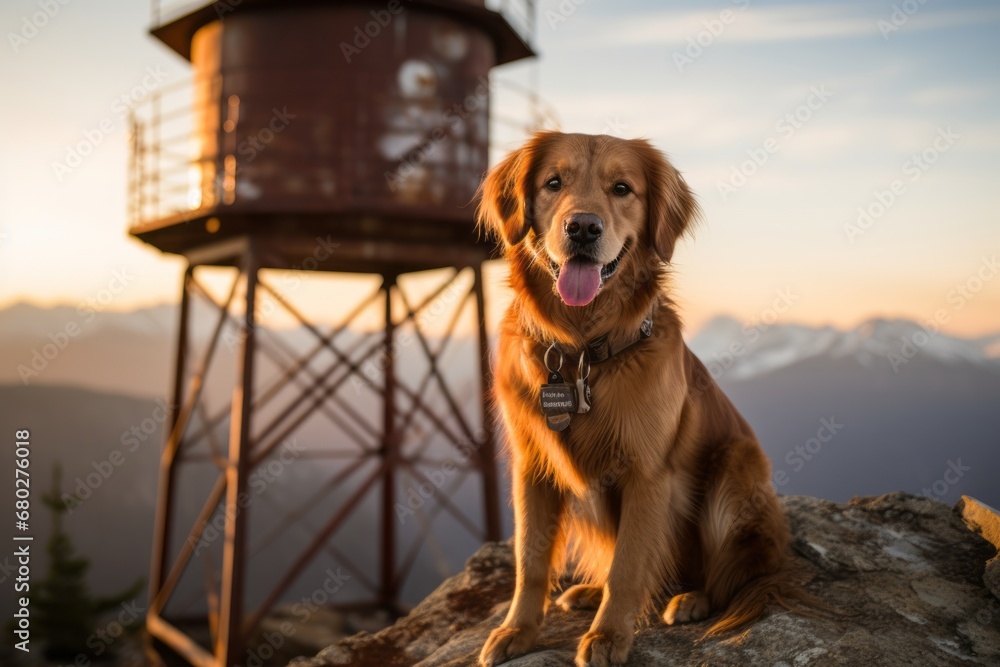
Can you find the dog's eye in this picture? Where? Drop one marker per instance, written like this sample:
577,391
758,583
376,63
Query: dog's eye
621,189
554,184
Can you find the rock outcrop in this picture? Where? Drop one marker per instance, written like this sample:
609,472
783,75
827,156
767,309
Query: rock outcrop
908,575
986,521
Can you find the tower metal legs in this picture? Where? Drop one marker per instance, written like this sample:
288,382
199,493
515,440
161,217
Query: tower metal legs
390,445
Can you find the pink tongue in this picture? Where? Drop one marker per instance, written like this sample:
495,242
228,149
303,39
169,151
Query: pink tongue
579,281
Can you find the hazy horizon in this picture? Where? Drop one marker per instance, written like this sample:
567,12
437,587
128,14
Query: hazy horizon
786,119
690,329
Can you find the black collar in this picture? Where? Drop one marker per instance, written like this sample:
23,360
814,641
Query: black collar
600,348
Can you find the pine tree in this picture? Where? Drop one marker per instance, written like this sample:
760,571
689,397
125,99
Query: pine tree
66,613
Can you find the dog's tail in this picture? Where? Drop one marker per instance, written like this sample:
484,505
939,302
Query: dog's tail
784,588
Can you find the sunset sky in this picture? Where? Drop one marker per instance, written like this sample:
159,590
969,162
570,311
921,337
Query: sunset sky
786,121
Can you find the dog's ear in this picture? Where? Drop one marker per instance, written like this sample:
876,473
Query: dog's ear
670,204
505,197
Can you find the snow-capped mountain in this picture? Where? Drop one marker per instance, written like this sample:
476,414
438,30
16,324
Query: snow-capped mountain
886,404
738,352
904,402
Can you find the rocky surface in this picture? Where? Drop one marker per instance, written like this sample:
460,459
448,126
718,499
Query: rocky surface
908,575
986,521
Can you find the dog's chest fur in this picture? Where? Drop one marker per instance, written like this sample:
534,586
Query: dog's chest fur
625,427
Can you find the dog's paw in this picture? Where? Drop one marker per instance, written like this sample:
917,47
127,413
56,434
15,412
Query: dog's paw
603,648
505,643
580,596
687,608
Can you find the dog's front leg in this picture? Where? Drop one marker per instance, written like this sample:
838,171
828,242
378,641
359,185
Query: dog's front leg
537,516
636,568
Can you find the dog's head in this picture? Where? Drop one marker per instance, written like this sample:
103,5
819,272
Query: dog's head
585,205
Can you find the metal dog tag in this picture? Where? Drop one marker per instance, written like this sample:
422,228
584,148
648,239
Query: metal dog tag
557,395
557,422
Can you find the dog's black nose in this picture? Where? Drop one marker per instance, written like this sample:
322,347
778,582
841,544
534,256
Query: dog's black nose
583,228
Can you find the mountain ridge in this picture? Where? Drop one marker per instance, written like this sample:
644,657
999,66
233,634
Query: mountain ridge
747,350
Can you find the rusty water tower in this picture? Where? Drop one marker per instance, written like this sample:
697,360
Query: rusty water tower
362,122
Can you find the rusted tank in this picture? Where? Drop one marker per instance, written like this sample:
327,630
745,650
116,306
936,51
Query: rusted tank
365,119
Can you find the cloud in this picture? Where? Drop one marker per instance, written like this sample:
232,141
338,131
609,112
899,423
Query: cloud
776,24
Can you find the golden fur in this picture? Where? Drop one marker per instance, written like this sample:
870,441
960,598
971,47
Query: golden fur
661,493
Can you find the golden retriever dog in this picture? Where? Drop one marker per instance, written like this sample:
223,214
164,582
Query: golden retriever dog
659,494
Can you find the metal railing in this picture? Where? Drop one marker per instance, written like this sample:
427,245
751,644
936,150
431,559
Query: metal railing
177,169
164,165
